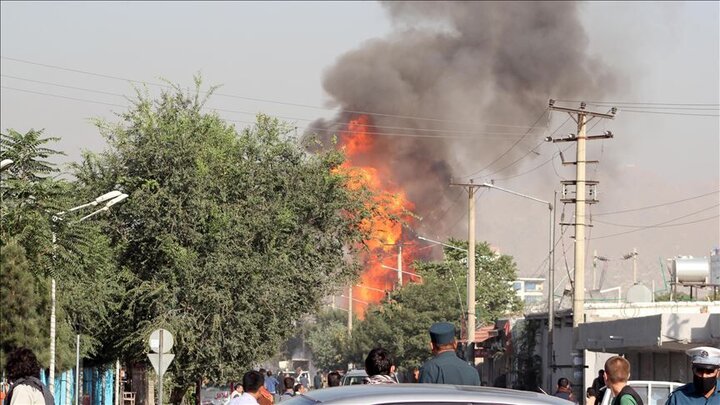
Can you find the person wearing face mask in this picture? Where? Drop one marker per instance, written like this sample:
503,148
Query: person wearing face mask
704,388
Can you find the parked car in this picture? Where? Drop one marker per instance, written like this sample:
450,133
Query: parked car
421,394
651,392
354,377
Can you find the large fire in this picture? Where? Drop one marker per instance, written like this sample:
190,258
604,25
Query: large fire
379,274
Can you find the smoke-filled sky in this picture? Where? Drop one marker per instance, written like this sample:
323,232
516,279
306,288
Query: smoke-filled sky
475,76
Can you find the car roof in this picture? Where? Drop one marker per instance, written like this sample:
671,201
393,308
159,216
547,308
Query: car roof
356,373
419,393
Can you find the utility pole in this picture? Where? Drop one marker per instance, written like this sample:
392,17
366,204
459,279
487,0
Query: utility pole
399,265
350,309
595,257
581,116
470,324
634,254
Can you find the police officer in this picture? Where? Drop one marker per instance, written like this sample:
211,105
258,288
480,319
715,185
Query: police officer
704,388
445,367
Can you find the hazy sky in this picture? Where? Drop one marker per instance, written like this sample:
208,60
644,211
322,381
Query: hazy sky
663,52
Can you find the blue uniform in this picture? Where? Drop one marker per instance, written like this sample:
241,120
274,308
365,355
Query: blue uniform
686,395
447,368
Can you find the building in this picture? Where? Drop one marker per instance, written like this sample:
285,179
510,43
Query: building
530,290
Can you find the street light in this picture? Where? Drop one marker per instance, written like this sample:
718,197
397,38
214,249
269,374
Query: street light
443,244
400,271
5,163
470,298
114,197
551,267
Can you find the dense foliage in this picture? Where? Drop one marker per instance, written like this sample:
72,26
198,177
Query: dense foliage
80,260
400,323
227,236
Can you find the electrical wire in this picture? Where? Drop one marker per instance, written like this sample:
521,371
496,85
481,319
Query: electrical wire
418,118
542,114
615,103
657,205
658,225
471,132
671,113
537,167
472,136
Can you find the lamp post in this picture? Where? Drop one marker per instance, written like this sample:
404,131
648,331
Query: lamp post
470,298
5,163
111,198
551,268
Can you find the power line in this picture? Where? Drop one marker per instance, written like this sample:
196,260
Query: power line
615,103
533,150
671,113
338,131
542,114
414,129
106,76
657,205
65,97
658,225
654,226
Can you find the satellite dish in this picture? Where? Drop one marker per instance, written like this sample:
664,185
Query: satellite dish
638,293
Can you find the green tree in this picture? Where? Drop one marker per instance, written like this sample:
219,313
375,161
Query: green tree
328,339
226,237
400,323
81,260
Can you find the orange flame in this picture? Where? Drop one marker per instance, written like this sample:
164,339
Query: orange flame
380,272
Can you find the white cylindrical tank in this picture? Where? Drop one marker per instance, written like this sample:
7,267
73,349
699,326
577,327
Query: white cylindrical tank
691,270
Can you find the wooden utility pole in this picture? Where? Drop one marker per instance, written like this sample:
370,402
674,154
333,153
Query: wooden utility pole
581,117
470,324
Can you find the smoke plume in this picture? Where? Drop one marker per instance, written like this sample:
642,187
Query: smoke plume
457,84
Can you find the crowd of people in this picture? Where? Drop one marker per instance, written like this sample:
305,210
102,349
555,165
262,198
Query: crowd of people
613,380
261,387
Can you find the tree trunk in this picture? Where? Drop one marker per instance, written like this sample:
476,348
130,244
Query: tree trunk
198,387
177,394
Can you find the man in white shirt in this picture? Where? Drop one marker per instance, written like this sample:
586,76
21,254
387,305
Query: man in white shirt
252,381
23,370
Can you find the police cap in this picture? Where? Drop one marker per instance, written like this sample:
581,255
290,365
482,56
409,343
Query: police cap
705,356
442,333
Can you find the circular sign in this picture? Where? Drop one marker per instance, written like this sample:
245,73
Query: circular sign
161,341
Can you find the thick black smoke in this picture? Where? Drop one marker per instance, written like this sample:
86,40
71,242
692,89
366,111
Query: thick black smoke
461,68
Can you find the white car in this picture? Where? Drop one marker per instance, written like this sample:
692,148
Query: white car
354,377
651,392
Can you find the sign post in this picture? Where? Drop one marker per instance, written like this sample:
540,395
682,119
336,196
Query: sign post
161,341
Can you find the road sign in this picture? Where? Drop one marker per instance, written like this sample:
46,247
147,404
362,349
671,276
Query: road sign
161,341
155,359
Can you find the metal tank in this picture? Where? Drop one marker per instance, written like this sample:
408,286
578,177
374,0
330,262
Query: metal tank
690,270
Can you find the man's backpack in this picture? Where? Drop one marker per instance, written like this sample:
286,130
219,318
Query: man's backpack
32,382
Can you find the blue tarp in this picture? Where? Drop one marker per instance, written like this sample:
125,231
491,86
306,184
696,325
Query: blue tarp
98,386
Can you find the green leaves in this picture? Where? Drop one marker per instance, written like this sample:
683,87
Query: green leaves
400,323
229,236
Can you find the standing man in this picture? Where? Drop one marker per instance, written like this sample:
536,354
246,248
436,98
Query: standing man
704,388
333,379
445,367
378,365
23,370
237,390
564,390
617,374
252,383
271,385
317,380
288,392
